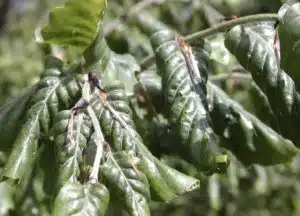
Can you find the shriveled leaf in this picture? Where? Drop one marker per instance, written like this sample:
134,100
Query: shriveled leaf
256,54
289,35
245,135
185,106
127,184
76,199
75,23
165,182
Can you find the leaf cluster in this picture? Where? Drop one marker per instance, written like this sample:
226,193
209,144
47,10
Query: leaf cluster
108,130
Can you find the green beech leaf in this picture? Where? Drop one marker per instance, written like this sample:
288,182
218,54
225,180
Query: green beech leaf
128,185
76,199
283,9
150,83
262,107
70,153
75,23
186,108
11,117
53,93
110,65
21,160
40,190
146,108
7,199
289,35
178,163
115,208
256,54
165,182
245,135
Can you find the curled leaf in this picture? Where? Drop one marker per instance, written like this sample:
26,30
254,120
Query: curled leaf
256,54
184,104
245,135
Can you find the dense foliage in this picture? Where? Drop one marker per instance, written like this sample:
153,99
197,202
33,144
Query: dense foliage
124,115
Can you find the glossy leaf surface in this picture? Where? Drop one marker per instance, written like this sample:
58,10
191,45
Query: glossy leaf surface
70,152
110,65
256,55
76,199
289,35
126,183
185,109
245,135
165,182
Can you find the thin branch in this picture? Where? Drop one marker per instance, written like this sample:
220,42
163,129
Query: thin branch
222,27
227,25
100,141
225,76
83,103
128,14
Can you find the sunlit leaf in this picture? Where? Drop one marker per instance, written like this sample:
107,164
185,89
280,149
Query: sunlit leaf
75,23
126,183
165,182
185,105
